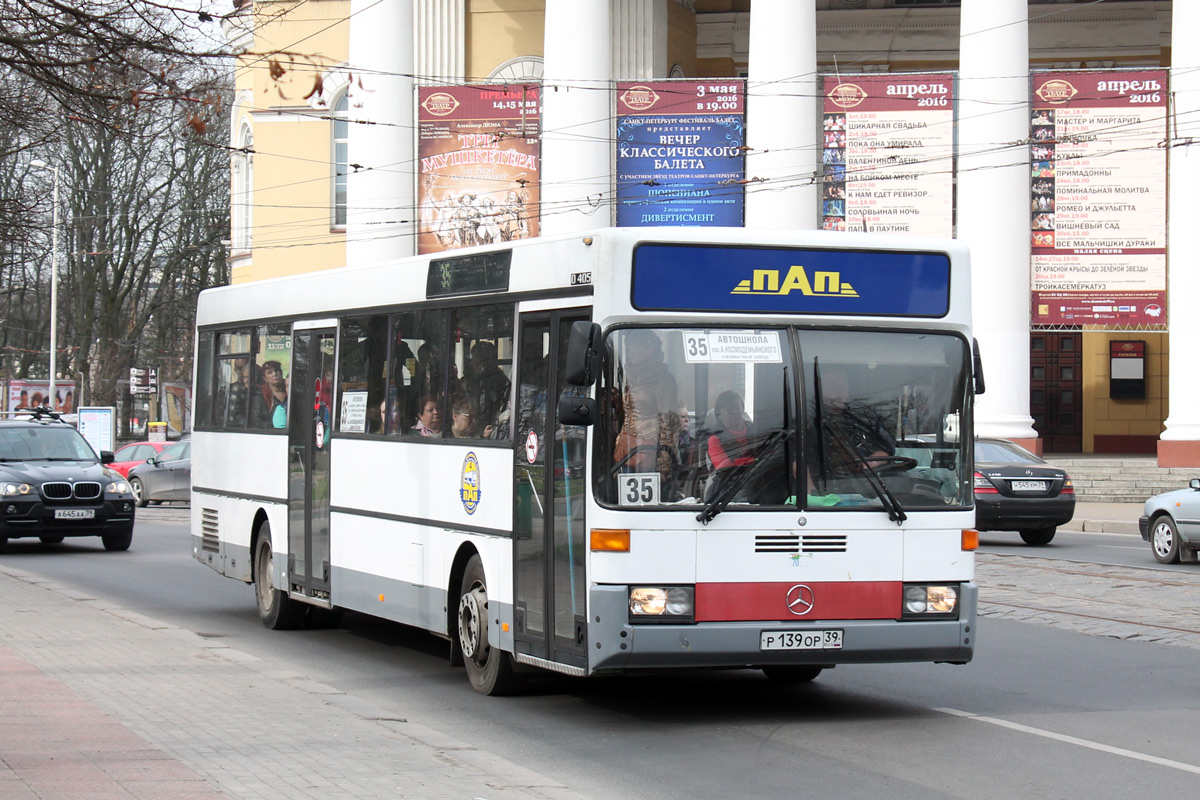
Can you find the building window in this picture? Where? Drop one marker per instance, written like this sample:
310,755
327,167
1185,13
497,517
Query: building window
341,158
243,184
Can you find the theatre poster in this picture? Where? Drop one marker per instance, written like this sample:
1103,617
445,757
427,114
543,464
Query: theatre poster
1098,200
680,157
479,161
887,157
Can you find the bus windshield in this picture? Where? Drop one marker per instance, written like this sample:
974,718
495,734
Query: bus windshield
716,418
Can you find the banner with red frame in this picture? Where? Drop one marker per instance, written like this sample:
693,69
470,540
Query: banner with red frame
479,156
888,155
1098,206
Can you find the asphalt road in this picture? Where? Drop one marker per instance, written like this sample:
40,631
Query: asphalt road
1040,711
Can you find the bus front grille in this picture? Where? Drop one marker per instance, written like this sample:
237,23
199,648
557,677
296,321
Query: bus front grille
795,543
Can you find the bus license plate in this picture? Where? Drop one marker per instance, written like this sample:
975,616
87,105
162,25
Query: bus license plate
800,640
1029,486
74,513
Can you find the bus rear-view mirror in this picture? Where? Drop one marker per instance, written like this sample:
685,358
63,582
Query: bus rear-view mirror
577,410
583,354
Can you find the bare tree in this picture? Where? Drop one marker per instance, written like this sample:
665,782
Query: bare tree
149,210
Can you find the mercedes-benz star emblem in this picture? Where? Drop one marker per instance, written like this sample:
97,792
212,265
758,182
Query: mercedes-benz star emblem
800,599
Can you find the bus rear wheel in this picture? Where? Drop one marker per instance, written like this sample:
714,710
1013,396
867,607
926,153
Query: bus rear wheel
489,668
277,611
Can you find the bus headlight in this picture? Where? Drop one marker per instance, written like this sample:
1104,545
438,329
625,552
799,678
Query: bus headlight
15,489
924,601
662,603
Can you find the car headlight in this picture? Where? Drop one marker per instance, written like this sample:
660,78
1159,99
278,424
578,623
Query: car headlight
924,601
662,603
15,489
117,487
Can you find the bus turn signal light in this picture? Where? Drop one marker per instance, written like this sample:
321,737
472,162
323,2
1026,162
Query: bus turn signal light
614,541
970,539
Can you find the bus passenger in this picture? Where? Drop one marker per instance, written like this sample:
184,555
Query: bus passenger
488,386
730,444
649,435
460,420
429,421
273,393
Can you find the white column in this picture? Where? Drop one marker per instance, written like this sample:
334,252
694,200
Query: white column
576,106
993,205
380,193
441,53
1179,445
639,42
782,101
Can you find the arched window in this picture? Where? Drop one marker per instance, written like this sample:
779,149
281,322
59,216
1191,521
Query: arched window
243,185
341,158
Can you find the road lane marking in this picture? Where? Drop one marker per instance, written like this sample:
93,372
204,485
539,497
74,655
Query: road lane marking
1104,748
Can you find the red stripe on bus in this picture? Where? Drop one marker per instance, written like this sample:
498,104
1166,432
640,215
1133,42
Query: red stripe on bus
744,602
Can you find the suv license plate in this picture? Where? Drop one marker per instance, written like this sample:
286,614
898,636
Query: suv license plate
1029,486
74,513
800,640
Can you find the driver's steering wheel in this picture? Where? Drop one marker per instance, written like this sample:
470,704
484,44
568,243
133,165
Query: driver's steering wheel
641,448
889,464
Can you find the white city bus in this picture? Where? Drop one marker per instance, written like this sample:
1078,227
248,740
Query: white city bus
608,452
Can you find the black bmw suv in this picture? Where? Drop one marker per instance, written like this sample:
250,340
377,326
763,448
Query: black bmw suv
52,485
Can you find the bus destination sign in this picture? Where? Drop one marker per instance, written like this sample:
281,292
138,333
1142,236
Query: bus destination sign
676,277
473,274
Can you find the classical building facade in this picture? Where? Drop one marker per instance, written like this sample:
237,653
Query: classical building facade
325,171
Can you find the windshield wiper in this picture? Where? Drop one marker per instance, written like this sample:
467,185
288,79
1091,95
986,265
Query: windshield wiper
886,498
739,475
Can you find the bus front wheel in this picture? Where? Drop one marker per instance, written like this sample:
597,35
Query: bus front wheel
488,667
277,611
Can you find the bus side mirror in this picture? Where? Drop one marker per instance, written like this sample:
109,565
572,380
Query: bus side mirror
977,367
577,411
583,354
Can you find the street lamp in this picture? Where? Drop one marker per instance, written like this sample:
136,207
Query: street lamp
53,281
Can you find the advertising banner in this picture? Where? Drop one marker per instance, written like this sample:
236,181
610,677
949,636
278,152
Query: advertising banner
35,394
888,155
679,153
479,152
1098,205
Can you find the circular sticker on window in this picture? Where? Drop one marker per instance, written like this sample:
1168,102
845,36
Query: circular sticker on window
320,434
469,485
531,447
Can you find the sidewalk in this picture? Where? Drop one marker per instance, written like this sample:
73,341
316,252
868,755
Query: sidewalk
98,702
1105,518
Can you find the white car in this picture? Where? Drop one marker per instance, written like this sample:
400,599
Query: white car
1171,524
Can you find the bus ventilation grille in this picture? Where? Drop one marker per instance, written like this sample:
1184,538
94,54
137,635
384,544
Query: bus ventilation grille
793,543
210,536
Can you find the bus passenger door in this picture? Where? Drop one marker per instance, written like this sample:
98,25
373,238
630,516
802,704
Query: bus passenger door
310,423
550,587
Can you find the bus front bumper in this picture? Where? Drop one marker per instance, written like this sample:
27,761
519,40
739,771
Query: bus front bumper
738,644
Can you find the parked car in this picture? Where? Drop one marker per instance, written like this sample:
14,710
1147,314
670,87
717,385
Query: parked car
53,486
1171,524
1017,491
133,454
166,476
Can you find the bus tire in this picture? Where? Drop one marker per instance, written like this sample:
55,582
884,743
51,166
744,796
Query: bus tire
277,611
489,668
804,674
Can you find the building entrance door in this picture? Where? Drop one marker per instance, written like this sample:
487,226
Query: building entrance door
1056,390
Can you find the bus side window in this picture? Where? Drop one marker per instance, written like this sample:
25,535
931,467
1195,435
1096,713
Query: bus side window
204,380
363,368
